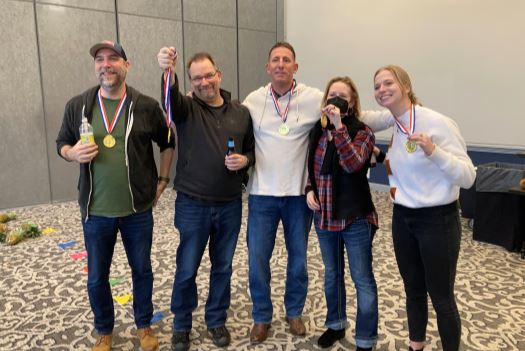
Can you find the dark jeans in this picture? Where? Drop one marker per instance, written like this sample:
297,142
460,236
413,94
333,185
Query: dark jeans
426,243
265,212
100,235
198,222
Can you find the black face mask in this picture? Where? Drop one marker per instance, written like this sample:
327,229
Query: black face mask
340,103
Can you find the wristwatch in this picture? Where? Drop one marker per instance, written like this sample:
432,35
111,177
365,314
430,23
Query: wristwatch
164,179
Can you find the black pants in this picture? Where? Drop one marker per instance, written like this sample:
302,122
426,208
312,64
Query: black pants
426,243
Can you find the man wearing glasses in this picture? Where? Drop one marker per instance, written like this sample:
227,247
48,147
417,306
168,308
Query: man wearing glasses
209,188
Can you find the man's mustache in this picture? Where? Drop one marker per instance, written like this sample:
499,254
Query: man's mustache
108,70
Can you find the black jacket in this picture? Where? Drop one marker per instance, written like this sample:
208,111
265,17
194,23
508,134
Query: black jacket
202,135
350,191
144,123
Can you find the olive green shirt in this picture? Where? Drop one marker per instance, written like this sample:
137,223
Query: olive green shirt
111,195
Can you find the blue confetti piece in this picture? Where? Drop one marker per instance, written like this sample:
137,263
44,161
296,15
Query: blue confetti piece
157,317
65,245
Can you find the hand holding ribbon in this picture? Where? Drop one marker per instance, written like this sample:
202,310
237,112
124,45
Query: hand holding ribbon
167,58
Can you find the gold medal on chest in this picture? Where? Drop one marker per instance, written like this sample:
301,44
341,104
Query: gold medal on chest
109,141
410,146
284,129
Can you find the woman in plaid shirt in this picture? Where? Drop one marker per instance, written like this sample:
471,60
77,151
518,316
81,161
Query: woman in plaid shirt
344,214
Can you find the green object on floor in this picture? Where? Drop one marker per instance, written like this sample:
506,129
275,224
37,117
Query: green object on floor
116,281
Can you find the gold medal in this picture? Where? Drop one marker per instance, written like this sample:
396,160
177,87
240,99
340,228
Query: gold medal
283,129
109,141
324,120
410,146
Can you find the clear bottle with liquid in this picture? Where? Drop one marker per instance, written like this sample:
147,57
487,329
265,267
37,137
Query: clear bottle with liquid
86,132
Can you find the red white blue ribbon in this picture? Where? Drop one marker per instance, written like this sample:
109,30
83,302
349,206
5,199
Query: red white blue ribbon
167,101
284,116
110,125
412,122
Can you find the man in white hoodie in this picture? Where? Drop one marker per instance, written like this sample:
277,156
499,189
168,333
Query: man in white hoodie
283,113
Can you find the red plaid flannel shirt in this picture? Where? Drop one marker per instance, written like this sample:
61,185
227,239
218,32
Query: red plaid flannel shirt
353,154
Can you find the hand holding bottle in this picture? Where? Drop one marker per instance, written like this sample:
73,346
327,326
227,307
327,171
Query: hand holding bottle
234,161
81,153
85,149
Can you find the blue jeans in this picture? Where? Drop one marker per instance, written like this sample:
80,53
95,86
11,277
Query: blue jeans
263,219
100,235
198,222
357,238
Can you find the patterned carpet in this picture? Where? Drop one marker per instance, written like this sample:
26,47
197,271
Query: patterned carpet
44,306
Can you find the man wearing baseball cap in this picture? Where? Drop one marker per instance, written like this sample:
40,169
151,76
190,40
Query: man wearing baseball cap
107,44
118,185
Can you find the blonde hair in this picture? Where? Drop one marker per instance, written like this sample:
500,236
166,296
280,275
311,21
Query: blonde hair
356,108
402,78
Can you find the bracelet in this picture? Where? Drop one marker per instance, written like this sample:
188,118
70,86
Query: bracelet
164,179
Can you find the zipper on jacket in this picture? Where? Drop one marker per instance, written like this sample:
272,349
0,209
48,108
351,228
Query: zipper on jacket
90,191
128,131
90,177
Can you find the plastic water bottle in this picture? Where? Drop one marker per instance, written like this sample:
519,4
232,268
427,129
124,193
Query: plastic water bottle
86,132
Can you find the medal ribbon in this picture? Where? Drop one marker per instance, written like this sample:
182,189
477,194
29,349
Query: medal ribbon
109,126
167,101
412,122
284,116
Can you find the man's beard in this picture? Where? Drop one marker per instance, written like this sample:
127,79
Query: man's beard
114,83
206,94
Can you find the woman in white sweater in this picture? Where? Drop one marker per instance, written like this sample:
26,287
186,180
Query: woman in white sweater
426,163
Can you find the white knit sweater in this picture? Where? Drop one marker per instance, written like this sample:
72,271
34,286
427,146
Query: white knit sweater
417,180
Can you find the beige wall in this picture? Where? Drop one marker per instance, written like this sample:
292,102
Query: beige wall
465,57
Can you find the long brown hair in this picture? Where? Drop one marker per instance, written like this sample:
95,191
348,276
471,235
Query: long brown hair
356,108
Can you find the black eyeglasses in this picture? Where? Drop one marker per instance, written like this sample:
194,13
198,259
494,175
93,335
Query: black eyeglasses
206,77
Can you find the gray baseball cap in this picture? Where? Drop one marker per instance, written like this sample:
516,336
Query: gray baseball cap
108,44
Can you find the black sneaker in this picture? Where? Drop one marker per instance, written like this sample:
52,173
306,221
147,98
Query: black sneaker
180,341
363,348
330,336
220,336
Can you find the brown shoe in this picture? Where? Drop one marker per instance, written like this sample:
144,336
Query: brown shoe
148,340
259,333
103,343
297,326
